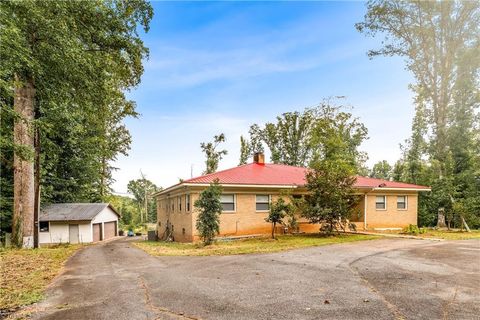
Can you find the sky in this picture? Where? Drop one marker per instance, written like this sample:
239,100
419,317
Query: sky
218,67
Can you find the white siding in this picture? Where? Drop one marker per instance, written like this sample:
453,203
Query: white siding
106,215
59,231
85,232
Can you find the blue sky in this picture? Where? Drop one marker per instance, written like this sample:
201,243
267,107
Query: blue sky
221,66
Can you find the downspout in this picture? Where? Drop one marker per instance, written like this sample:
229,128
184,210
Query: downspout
365,209
365,212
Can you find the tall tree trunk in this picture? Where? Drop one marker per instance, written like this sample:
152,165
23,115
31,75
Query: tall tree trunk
37,184
23,175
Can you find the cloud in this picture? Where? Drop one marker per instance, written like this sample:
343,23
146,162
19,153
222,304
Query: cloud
300,46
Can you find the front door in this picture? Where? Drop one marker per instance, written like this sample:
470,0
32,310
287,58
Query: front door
73,233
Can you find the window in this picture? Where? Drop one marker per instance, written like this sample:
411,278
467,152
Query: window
187,202
44,226
262,202
381,203
179,203
228,202
172,201
402,202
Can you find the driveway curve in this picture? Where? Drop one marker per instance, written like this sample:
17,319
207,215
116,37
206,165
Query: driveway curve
376,279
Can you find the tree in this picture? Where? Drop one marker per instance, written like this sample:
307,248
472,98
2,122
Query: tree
382,170
278,210
288,139
210,207
440,43
244,150
213,156
337,136
326,131
142,191
128,209
331,200
59,58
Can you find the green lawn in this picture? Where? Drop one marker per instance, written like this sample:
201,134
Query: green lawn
438,234
245,246
24,273
451,235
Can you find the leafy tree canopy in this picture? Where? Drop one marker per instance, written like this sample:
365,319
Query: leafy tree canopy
212,154
440,41
327,131
382,170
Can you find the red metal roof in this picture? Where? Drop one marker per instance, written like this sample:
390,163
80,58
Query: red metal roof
279,174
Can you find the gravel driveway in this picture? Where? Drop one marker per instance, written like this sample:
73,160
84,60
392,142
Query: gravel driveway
377,279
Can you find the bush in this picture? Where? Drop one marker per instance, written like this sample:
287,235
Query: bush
210,207
413,229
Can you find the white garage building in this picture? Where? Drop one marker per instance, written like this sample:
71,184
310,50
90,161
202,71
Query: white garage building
77,223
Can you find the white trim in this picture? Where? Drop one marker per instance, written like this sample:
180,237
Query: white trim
186,184
365,211
384,197
275,186
401,189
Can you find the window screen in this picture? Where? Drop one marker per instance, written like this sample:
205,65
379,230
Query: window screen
402,202
187,202
262,202
380,202
228,202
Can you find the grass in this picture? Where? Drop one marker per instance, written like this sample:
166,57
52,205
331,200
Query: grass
25,273
451,235
246,246
440,234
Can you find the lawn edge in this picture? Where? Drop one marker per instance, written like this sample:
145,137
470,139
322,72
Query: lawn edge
375,237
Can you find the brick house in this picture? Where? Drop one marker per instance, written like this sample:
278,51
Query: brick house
249,189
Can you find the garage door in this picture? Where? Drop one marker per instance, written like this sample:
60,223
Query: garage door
110,229
97,232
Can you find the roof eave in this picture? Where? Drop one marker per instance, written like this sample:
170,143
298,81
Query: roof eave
232,185
401,189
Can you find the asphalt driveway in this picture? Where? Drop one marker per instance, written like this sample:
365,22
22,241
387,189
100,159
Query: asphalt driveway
378,279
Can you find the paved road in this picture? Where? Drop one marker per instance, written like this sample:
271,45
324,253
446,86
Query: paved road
380,279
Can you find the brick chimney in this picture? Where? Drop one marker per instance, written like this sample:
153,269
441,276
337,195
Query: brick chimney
259,158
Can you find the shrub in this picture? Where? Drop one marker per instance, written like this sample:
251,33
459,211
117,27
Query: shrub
413,229
210,207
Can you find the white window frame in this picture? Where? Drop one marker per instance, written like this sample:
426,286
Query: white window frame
234,203
269,202
406,203
179,201
385,198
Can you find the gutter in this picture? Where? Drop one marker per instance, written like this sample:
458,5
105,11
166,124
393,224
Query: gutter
401,189
187,184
